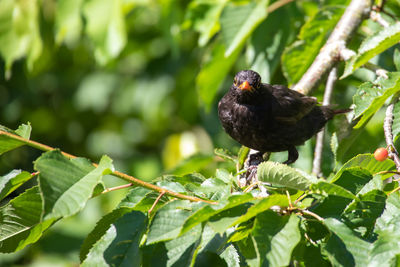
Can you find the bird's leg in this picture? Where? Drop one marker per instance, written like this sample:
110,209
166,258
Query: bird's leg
251,165
293,155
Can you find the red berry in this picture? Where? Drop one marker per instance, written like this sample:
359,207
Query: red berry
381,154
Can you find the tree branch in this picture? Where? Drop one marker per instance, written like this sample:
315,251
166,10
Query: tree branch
121,175
330,52
387,128
319,145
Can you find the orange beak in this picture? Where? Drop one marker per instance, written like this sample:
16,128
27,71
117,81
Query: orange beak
246,86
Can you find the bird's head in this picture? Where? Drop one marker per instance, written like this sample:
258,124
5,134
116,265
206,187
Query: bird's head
247,81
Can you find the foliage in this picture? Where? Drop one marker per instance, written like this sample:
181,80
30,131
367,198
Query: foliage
138,80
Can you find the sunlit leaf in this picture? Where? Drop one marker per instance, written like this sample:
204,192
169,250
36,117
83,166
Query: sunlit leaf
119,245
298,57
207,211
168,221
358,248
261,206
396,59
371,96
181,250
372,46
213,72
106,28
325,188
20,32
68,21
67,184
239,21
20,223
275,238
10,140
203,16
367,162
267,44
352,178
11,181
283,175
364,212
100,229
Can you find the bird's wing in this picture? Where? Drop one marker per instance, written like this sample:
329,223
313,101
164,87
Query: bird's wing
291,106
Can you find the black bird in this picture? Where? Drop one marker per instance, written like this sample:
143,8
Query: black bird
270,118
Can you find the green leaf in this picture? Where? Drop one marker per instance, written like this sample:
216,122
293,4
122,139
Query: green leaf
20,223
99,230
68,22
390,218
242,155
372,46
283,175
231,256
358,248
352,178
67,184
24,130
276,237
168,221
207,211
192,164
239,21
267,44
371,96
363,213
105,25
299,56
181,250
225,154
203,16
20,32
11,181
367,162
325,188
385,249
396,59
9,142
213,72
222,221
119,246
261,206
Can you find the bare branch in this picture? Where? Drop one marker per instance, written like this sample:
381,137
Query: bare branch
121,175
330,53
319,145
387,128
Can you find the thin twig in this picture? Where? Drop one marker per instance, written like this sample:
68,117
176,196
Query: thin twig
274,6
116,188
121,175
387,129
394,190
316,216
156,201
289,200
330,52
376,16
319,145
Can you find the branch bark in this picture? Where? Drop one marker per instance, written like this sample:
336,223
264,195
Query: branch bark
387,128
319,145
330,52
121,175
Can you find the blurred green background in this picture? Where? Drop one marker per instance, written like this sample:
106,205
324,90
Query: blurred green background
139,81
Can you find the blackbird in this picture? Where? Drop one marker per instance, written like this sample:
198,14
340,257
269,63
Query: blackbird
270,118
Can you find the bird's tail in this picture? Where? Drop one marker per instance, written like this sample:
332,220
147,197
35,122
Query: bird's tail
341,111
